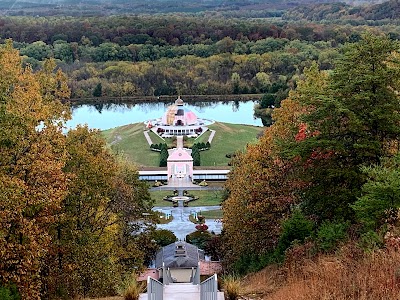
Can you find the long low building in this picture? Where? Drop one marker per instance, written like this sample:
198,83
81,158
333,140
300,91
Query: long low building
198,174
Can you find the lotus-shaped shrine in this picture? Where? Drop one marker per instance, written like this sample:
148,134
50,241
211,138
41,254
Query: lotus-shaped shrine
178,120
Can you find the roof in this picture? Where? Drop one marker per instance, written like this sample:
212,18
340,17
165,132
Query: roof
180,155
179,255
179,101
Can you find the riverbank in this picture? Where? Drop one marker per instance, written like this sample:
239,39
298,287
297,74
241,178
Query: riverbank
164,98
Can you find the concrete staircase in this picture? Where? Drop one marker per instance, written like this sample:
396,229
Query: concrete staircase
181,291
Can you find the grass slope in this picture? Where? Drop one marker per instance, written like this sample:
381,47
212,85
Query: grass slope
229,138
130,141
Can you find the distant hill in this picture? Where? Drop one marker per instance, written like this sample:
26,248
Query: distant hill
344,11
235,8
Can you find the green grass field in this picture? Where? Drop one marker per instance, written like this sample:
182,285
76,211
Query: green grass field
228,138
206,198
212,214
130,141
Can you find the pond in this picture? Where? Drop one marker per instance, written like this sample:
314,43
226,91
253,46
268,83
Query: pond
109,115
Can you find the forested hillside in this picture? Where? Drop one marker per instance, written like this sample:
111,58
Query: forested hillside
244,8
155,55
389,10
325,174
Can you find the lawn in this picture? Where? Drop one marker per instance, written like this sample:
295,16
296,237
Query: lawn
206,198
130,141
228,139
212,214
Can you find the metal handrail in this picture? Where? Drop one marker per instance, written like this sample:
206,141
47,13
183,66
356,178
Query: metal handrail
209,288
169,276
155,289
196,276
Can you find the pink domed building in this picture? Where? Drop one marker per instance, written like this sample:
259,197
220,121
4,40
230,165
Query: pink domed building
178,120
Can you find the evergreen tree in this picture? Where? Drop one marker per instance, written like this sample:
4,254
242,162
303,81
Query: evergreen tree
163,155
98,90
196,154
351,124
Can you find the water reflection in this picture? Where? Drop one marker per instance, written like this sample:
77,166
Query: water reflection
108,115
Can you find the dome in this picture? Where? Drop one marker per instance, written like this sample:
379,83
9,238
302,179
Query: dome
178,115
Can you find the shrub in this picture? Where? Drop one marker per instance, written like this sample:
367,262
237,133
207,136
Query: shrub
201,227
199,238
330,234
371,241
164,237
231,285
131,289
297,227
9,293
203,183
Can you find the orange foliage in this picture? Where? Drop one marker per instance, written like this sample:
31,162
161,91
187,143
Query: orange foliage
32,182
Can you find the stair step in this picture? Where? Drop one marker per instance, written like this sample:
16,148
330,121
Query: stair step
181,291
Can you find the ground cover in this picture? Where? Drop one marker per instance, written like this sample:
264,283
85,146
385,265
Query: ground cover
206,198
155,138
129,140
204,137
228,139
212,214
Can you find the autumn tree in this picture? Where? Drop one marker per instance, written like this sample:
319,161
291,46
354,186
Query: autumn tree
264,184
32,158
95,240
261,190
354,123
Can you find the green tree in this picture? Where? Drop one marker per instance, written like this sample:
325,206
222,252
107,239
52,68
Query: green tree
196,154
97,92
163,155
96,237
380,198
296,228
164,237
353,123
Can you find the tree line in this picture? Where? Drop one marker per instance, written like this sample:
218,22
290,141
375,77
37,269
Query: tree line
152,55
325,173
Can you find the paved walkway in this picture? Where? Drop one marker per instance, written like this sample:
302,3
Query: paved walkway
210,138
181,226
179,141
148,139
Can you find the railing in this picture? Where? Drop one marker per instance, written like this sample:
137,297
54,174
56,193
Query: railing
154,289
196,277
209,288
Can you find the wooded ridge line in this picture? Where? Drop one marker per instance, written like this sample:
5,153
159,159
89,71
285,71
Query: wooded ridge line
165,98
